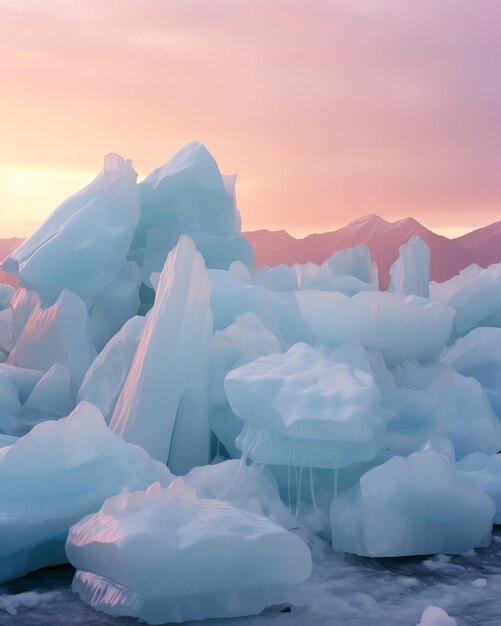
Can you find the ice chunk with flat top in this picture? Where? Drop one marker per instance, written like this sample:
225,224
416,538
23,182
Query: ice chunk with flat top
301,408
56,474
409,506
165,555
410,274
402,327
57,334
163,405
83,244
187,195
105,378
475,295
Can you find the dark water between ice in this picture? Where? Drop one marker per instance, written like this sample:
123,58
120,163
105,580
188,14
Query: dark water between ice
343,591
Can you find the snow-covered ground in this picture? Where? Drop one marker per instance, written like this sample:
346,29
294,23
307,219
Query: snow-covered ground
342,591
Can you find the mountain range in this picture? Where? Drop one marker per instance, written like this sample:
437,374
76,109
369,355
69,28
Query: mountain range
383,238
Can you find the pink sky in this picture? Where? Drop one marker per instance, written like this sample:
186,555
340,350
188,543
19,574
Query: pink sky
326,109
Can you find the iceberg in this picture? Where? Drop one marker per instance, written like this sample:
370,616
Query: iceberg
84,243
409,506
165,397
187,195
165,555
55,475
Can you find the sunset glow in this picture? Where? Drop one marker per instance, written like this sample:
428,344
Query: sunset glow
327,110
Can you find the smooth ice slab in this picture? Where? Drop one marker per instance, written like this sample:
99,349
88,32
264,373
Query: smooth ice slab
402,327
164,403
56,474
408,506
165,555
304,409
83,244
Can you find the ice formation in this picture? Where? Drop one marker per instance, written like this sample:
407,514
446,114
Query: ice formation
410,274
478,354
435,400
84,243
175,557
305,409
401,327
56,334
105,378
55,475
187,195
164,400
413,505
291,398
483,471
475,295
6,293
248,488
241,342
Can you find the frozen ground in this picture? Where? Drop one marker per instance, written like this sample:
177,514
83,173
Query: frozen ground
343,591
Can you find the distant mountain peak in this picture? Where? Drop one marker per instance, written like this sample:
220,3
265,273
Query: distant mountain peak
370,218
383,238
